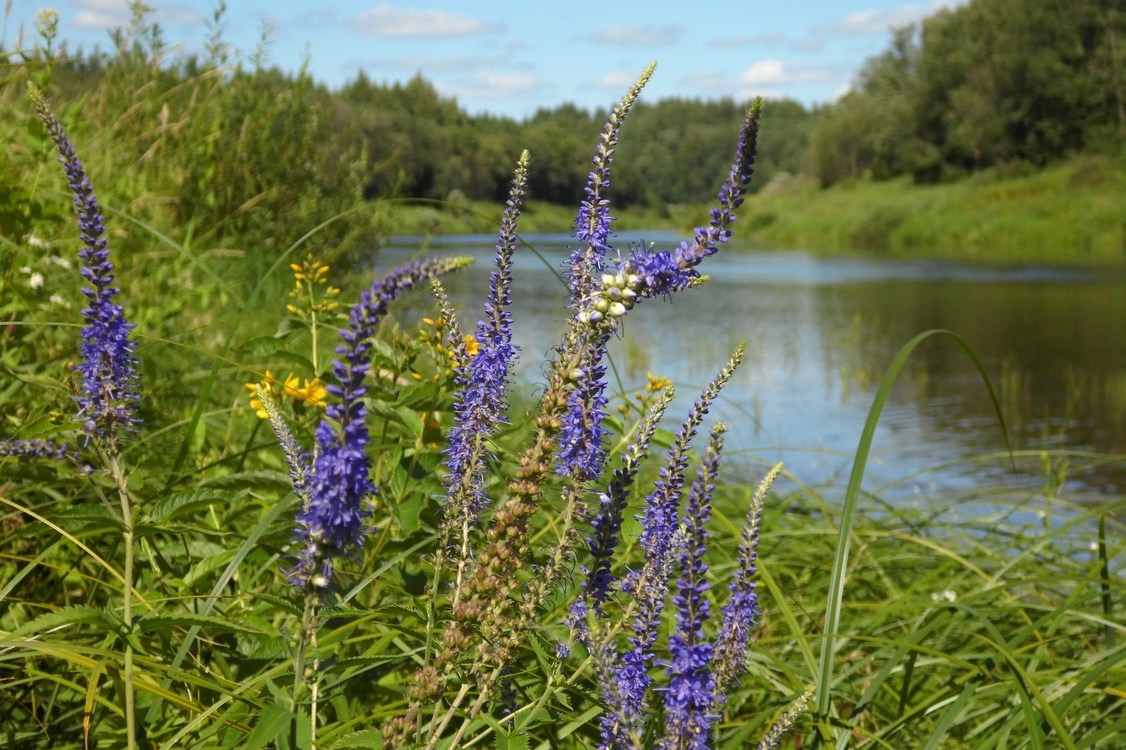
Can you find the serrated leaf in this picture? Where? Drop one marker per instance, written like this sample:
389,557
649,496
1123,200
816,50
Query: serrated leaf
408,512
67,616
182,529
272,726
182,503
411,420
160,623
363,740
207,566
86,517
257,480
279,602
385,410
426,396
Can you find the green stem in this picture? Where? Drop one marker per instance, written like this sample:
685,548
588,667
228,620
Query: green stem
118,473
303,676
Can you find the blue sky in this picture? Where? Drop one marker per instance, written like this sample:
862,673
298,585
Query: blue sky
510,58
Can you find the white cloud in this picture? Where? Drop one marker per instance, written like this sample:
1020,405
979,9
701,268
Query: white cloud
774,72
384,20
638,36
617,81
879,21
489,85
179,15
112,14
101,14
710,81
437,64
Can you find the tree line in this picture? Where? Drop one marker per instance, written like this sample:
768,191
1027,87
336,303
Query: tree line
992,82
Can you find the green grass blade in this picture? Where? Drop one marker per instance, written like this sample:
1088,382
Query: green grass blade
834,606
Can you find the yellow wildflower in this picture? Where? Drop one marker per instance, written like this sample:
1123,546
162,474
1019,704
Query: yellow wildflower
267,384
312,393
309,275
471,346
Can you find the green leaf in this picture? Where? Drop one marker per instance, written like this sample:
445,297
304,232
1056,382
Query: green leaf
272,727
278,602
411,420
67,616
256,480
367,739
408,512
162,623
262,346
87,518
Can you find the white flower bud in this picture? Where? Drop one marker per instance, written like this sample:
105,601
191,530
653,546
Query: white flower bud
617,310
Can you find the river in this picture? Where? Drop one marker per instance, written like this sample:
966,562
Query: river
820,334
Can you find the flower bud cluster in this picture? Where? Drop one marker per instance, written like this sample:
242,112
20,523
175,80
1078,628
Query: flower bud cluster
618,295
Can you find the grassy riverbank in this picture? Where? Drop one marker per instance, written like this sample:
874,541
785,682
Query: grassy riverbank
1071,212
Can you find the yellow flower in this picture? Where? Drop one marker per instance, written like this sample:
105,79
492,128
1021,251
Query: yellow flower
313,393
267,384
308,276
471,346
656,383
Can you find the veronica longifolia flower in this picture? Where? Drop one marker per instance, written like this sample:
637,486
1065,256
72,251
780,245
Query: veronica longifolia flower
483,378
108,399
32,449
581,452
331,522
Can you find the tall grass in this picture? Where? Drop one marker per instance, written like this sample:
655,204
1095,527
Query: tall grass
179,616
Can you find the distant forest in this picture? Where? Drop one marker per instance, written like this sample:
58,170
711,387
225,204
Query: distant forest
1012,83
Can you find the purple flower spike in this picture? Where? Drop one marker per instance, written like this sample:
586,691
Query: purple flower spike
592,225
740,613
331,523
109,399
661,272
607,523
32,449
581,452
660,539
483,379
690,699
730,195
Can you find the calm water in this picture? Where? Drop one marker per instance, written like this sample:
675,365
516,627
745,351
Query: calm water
821,332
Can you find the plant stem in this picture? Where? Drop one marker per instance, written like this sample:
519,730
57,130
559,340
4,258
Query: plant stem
118,473
307,639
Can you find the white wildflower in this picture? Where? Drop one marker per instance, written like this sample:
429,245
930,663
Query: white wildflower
36,280
59,300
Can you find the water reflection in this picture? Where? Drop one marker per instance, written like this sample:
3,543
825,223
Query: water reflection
820,334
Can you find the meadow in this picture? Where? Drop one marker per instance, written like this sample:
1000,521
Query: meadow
246,505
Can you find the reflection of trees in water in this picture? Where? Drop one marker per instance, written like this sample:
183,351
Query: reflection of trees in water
1055,352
